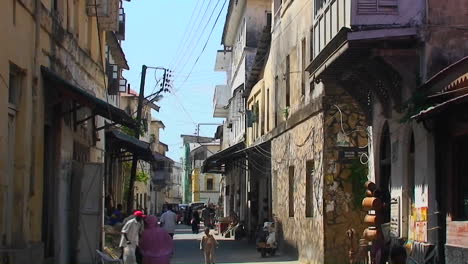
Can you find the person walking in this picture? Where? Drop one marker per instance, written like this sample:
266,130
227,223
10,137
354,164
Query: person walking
156,245
208,244
169,221
195,221
206,216
130,237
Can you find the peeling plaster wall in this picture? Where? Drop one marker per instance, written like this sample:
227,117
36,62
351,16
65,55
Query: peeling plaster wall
294,148
445,35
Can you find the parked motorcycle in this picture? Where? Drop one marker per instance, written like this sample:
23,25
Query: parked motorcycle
266,239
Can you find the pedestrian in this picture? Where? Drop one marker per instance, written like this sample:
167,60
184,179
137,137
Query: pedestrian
212,215
117,216
169,221
208,244
195,222
130,237
398,255
156,245
206,216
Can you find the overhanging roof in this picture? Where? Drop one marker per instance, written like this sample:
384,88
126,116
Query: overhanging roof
116,50
83,97
233,16
449,88
159,157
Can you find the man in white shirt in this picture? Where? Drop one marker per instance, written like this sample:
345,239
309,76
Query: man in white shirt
130,236
169,220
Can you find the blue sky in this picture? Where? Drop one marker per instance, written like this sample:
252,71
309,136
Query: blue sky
154,33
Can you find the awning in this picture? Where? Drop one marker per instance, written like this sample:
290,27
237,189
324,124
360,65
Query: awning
83,97
262,148
130,144
449,88
439,108
215,162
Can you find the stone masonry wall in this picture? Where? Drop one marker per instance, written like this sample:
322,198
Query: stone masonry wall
345,143
293,148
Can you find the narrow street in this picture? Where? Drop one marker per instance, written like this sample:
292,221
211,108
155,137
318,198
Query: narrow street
187,250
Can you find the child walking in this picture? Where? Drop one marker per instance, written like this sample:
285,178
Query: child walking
208,244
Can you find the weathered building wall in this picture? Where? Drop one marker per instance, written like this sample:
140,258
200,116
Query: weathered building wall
445,36
66,41
345,172
294,148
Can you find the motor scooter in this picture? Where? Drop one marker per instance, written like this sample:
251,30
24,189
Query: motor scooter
266,239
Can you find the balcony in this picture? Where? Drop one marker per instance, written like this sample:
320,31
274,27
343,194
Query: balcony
221,101
223,60
331,16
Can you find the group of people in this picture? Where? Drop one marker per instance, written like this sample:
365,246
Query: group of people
143,240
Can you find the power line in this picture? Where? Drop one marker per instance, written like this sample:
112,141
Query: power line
189,24
201,34
206,43
190,40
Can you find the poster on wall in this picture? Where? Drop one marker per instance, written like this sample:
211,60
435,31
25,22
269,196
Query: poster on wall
395,217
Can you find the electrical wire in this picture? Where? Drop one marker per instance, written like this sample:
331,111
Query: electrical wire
206,43
192,37
202,32
185,42
185,32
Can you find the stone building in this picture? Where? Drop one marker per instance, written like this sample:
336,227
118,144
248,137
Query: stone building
381,54
60,69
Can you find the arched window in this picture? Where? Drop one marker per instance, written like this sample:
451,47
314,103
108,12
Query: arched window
385,170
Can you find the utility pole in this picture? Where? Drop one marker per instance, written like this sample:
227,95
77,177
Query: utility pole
141,97
131,185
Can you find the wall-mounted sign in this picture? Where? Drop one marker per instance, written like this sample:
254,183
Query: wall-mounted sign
349,154
395,217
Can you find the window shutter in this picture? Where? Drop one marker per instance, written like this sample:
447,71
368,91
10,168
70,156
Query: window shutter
367,6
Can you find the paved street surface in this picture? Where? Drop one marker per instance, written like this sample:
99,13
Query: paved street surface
230,251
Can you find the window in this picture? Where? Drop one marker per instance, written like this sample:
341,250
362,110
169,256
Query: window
209,184
276,101
385,170
288,80
291,191
311,45
14,86
310,169
411,176
303,60
319,4
267,99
